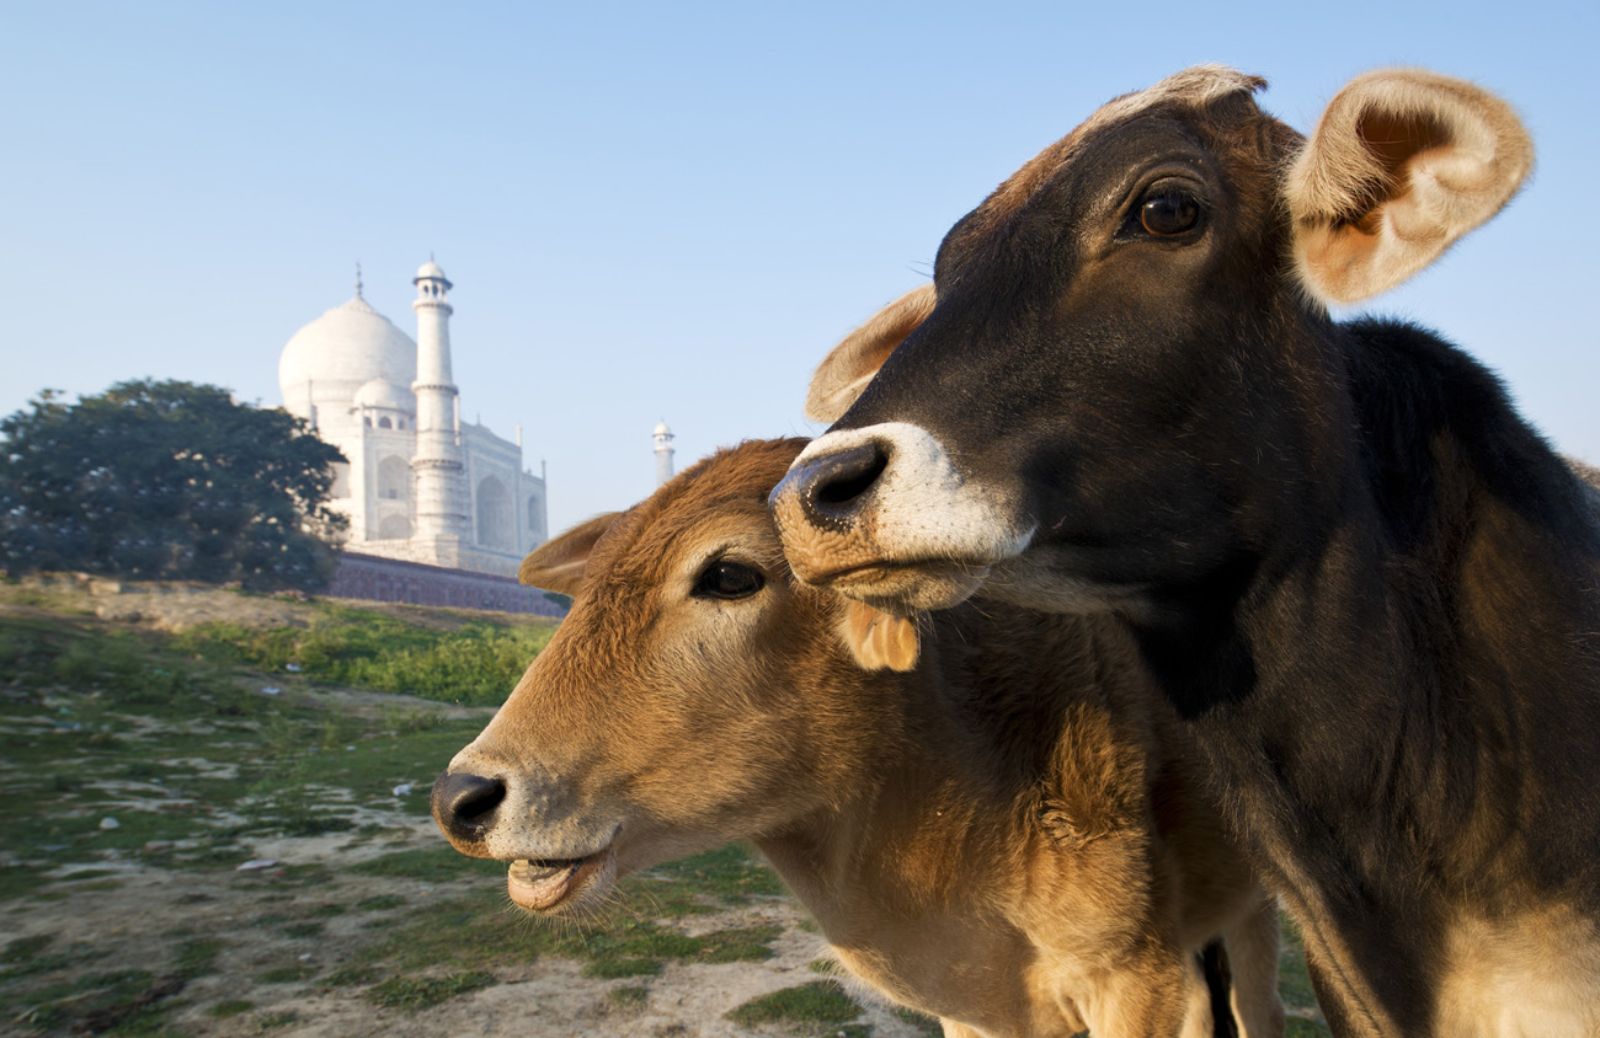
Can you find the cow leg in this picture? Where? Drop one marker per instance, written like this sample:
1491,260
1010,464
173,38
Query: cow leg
1147,1000
1199,1020
1339,1005
1252,943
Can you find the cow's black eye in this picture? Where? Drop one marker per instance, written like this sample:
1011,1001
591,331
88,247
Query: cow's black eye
725,578
1168,211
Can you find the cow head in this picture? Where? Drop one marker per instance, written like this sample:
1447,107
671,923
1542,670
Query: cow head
1123,376
695,693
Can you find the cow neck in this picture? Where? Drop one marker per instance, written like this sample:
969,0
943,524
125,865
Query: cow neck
943,820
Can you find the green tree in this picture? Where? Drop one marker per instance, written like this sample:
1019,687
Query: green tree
167,479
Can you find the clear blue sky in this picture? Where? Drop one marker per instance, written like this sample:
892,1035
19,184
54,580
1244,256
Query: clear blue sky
665,210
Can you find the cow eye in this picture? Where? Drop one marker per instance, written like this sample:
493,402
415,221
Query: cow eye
725,578
1167,211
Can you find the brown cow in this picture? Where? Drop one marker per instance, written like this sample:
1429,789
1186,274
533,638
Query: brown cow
982,827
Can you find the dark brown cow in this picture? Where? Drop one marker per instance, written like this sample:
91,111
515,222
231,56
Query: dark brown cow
1366,582
984,825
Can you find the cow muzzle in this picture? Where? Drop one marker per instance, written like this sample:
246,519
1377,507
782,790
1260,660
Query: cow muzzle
882,514
557,855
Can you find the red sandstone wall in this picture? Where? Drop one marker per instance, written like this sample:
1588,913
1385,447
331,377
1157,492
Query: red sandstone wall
390,580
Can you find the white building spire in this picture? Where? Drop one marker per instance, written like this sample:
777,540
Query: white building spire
663,440
440,491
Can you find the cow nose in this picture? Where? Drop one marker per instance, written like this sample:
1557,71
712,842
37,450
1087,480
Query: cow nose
833,488
464,805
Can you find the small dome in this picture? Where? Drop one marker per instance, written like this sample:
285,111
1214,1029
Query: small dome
662,430
430,269
328,360
379,393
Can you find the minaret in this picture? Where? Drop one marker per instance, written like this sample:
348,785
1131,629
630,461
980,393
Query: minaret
441,493
663,441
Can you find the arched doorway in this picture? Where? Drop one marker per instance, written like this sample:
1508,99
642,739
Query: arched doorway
496,521
394,479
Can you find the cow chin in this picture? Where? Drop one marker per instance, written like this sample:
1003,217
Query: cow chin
1032,582
567,885
905,589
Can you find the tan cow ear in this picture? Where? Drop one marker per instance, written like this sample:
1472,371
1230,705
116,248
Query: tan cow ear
879,640
1402,164
845,372
558,565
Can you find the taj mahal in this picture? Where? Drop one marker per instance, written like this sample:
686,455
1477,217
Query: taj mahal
420,485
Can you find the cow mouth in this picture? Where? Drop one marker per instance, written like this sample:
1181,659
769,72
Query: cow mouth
910,585
546,884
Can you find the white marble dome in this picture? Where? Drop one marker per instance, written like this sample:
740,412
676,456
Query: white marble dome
385,395
329,360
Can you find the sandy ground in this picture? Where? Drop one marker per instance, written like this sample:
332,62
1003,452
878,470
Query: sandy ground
549,998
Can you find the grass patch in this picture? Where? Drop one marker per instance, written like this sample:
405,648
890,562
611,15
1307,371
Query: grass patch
1296,1027
819,1004
1294,982
380,903
628,997
614,968
477,662
275,1020
414,993
229,1007
1294,986
122,1002
31,958
922,1022
477,932
351,976
741,944
433,864
293,973
729,873
20,951
126,724
197,958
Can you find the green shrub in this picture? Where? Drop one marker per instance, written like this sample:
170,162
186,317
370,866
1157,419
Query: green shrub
477,663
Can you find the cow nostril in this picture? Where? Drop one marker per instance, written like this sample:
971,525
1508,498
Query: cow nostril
853,479
836,485
465,804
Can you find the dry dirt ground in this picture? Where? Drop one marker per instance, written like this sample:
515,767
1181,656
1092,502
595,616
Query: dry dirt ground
139,778
291,944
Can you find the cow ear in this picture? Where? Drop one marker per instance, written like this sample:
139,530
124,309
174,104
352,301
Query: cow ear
1402,164
558,565
879,640
845,372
